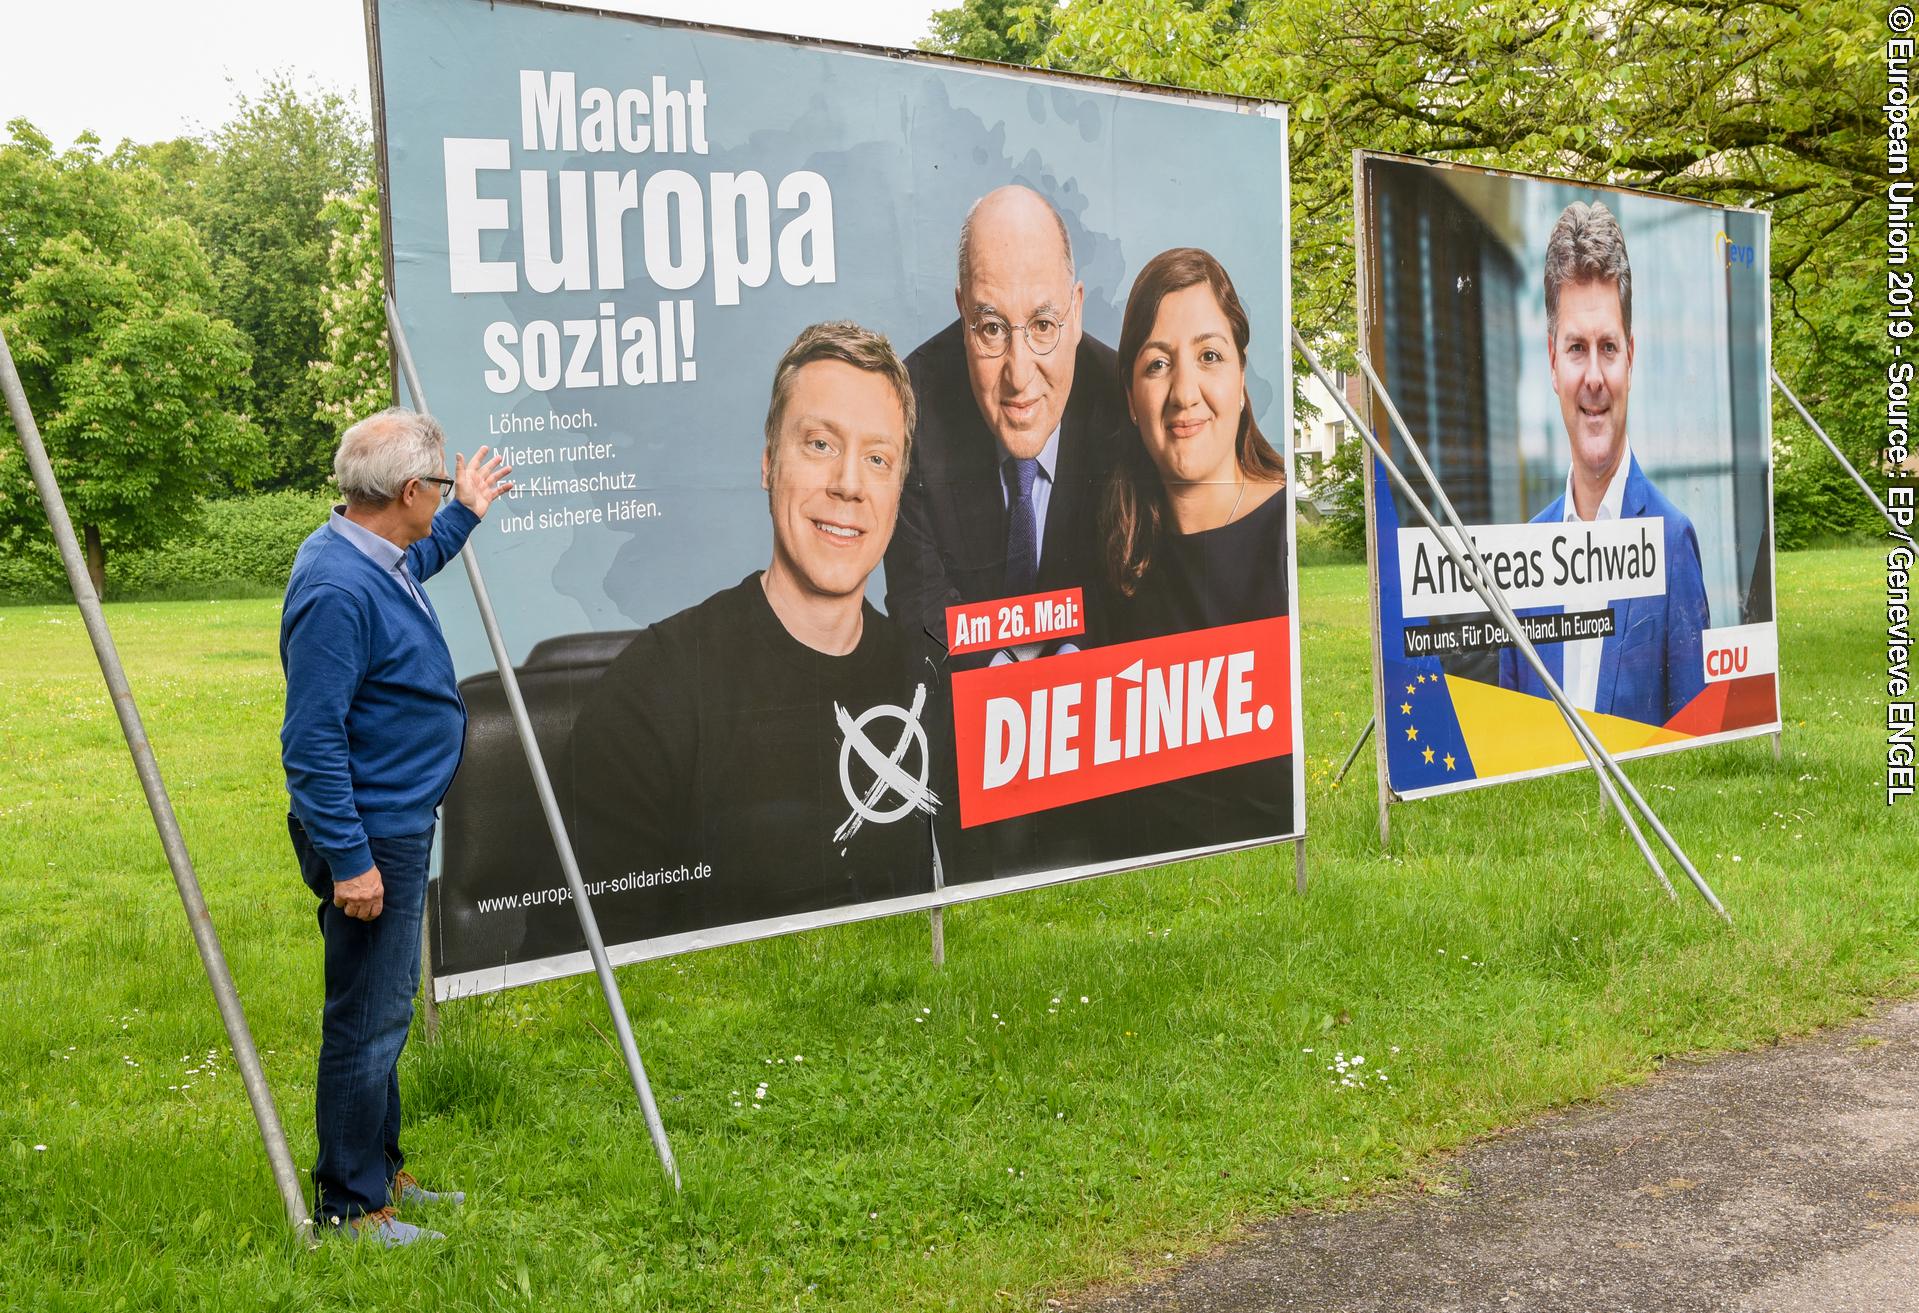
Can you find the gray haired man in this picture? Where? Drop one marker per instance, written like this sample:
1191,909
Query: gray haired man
372,735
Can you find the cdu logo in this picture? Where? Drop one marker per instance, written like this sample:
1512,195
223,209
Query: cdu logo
1730,251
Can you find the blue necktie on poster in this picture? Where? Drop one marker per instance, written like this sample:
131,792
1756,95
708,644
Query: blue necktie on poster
1022,532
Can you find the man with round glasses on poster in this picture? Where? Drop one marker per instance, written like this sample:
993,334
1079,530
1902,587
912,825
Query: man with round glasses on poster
1019,415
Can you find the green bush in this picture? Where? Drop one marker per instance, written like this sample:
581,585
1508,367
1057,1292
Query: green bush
239,545
1320,543
1814,502
1346,521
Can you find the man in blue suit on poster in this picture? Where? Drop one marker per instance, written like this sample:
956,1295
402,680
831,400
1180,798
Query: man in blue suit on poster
1651,665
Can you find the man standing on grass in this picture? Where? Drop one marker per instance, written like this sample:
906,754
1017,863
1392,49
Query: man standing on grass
373,731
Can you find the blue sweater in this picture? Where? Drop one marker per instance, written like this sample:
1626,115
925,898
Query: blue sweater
374,723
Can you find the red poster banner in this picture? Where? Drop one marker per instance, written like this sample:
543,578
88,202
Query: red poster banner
1034,735
1011,621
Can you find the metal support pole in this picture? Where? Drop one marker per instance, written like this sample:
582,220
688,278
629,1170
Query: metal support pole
536,762
1353,756
429,1006
1775,747
1495,604
1837,455
936,918
1495,601
205,937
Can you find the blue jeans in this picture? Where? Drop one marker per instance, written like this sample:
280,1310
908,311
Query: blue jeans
372,974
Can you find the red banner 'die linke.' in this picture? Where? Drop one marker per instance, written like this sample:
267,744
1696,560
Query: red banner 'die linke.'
1034,735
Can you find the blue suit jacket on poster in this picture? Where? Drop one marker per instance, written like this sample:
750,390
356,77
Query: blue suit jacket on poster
1652,665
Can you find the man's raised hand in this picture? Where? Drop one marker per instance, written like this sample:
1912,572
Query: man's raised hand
478,481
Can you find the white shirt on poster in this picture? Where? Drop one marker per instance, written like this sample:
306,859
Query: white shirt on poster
1580,678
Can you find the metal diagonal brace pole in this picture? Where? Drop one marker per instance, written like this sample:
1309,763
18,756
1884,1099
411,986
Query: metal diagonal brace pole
1837,455
543,785
1473,578
1359,743
1594,752
1496,601
205,937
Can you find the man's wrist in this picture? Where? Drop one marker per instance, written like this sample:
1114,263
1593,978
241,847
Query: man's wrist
461,511
348,863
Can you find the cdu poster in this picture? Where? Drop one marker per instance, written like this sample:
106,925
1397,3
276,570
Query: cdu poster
1586,370
905,503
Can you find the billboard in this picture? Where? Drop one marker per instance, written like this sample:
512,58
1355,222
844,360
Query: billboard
844,577
1517,321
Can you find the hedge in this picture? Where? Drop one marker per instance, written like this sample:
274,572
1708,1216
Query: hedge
241,545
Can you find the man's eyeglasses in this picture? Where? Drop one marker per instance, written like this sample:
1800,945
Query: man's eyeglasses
446,485
992,336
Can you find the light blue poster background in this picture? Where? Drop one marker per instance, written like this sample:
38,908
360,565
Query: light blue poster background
905,146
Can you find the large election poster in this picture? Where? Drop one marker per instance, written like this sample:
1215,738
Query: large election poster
904,509
1586,370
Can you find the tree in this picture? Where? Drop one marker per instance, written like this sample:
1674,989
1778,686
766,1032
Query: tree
354,378
1004,31
178,166
259,209
45,195
133,384
1747,102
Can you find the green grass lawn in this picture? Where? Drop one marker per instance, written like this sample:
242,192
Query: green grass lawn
1103,1078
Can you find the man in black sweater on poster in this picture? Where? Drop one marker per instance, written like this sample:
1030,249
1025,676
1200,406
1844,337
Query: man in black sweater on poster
760,755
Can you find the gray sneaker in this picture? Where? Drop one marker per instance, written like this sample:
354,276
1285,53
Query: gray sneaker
384,1229
407,1190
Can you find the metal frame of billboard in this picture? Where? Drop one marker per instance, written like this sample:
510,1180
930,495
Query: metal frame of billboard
483,981
1367,329
523,726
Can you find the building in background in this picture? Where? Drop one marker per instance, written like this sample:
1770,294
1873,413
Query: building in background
1317,437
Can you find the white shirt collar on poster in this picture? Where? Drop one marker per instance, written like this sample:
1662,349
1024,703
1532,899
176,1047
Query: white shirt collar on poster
1580,678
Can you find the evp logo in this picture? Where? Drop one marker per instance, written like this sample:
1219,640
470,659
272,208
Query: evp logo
1730,251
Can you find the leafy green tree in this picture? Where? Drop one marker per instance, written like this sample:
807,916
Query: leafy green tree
179,168
1747,102
44,194
1829,341
274,167
1004,31
133,383
354,378
1738,101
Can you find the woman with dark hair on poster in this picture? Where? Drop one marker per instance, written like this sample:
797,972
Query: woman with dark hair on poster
1196,517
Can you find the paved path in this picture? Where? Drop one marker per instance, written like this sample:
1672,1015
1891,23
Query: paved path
1785,1180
